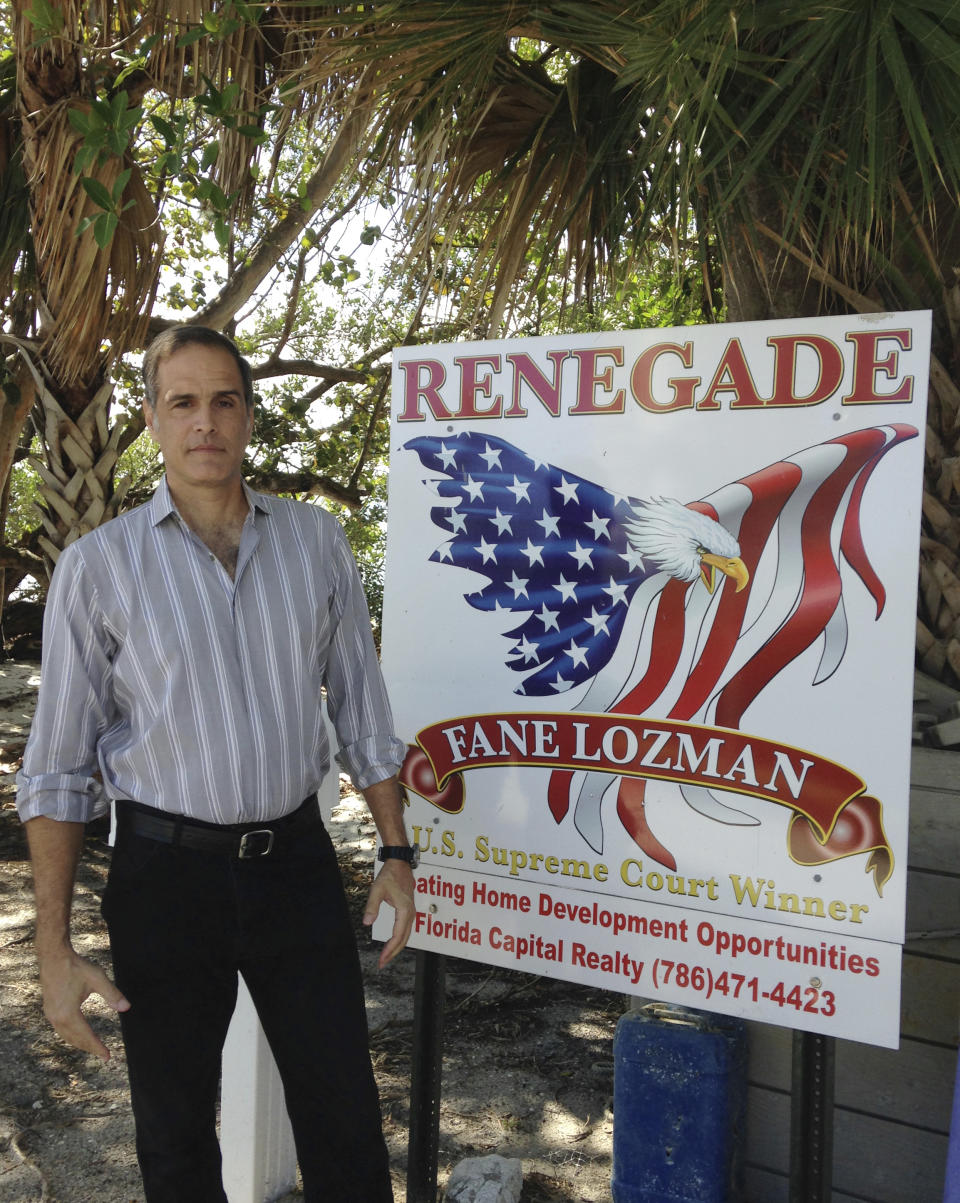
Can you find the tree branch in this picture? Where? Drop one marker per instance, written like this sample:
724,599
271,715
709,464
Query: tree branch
307,484
307,367
292,302
243,283
20,558
315,393
369,432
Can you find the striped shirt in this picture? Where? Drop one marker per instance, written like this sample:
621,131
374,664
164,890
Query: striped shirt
196,693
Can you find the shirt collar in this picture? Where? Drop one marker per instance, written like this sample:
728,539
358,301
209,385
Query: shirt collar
162,506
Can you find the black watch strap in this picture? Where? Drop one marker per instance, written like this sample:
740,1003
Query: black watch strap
400,852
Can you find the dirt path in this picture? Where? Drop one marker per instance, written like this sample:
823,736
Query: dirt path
527,1070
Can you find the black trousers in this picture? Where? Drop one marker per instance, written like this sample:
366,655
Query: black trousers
182,924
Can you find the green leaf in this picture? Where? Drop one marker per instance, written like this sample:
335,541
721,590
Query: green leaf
191,36
137,64
131,119
217,197
79,119
103,110
97,193
46,18
164,129
103,229
212,193
170,162
86,156
250,13
123,178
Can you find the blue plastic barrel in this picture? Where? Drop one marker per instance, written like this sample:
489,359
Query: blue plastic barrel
679,1101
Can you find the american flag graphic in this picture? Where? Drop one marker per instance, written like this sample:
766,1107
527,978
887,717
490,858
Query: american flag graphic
619,594
551,544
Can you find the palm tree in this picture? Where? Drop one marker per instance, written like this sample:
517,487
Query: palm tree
811,150
806,153
104,109
88,292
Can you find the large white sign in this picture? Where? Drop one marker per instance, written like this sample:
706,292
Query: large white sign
648,631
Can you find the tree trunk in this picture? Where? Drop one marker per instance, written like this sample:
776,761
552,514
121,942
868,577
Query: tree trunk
17,398
77,484
761,281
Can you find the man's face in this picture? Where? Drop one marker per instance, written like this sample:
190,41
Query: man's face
201,423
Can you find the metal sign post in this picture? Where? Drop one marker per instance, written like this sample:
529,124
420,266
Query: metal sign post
811,1118
425,1077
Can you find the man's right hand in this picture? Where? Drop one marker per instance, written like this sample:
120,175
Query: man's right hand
67,981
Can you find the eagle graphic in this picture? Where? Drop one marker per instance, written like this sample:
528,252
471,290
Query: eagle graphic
684,544
654,607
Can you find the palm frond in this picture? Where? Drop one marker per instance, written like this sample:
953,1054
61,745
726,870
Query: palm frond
830,107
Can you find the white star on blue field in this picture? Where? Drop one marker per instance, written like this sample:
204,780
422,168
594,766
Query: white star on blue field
551,544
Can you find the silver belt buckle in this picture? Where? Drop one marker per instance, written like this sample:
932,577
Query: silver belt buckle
247,852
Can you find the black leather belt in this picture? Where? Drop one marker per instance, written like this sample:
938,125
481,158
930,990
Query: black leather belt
245,841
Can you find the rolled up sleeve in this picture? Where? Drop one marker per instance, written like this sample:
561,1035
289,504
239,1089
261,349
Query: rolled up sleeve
59,775
356,695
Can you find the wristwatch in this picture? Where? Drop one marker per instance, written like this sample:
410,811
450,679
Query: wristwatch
400,852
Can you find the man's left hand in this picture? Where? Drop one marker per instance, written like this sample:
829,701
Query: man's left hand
393,885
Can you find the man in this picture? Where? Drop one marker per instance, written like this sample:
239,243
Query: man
186,644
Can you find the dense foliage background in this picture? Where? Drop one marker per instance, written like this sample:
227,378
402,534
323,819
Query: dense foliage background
327,181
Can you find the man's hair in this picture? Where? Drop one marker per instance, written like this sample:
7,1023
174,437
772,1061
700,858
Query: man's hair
178,337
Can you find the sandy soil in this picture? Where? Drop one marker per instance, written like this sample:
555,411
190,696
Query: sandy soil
527,1066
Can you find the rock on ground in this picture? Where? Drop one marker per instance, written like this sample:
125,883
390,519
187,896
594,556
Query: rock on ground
492,1179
